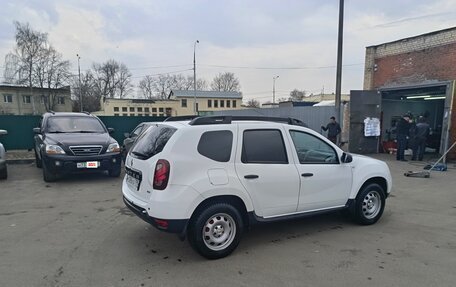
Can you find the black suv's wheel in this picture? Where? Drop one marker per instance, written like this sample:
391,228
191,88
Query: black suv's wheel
115,172
4,174
48,176
369,204
38,162
216,231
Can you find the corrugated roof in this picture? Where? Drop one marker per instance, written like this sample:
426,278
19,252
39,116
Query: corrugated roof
206,94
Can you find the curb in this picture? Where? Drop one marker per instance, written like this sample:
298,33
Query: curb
20,161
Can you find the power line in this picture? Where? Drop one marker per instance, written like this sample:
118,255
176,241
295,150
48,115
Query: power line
279,68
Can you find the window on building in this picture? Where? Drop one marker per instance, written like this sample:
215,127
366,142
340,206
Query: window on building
116,109
124,109
222,103
154,115
228,104
60,100
154,110
234,103
197,107
263,146
169,111
125,115
132,115
116,115
209,103
184,103
132,109
139,109
8,98
26,99
160,110
215,103
146,110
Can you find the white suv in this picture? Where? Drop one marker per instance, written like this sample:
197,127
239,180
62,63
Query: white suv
211,178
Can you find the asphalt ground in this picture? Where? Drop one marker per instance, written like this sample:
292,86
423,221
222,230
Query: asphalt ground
77,232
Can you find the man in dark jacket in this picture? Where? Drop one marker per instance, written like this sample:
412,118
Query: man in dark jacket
402,133
333,129
421,135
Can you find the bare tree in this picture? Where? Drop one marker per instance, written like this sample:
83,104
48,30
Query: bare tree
252,103
201,84
89,91
113,79
146,87
297,95
225,82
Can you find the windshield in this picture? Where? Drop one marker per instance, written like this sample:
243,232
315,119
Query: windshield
152,141
74,125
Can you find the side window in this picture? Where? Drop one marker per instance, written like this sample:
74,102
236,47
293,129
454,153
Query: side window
216,145
263,146
311,149
137,131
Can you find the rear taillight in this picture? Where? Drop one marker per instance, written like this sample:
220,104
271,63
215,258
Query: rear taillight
161,175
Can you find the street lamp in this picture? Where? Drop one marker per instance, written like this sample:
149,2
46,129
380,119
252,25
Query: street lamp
273,88
194,77
80,90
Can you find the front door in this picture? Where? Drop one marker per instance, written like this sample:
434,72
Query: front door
266,169
325,182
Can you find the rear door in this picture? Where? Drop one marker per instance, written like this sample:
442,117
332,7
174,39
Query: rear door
266,169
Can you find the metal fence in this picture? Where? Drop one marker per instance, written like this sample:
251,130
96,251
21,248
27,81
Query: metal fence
314,117
20,134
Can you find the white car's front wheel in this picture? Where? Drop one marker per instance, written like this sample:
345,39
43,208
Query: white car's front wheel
369,204
216,231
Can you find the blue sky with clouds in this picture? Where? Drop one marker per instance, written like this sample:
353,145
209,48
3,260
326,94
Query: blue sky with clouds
249,34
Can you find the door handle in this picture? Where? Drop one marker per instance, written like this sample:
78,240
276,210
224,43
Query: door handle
308,174
251,176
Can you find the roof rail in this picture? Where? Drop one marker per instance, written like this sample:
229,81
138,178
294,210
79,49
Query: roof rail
51,111
180,118
87,113
211,120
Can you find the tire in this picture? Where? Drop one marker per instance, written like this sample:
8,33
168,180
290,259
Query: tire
38,162
115,172
222,226
369,204
48,176
4,173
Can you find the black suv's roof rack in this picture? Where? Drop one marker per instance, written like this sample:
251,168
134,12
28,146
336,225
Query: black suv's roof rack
212,120
180,118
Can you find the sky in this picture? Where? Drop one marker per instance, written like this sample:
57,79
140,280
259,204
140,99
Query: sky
256,40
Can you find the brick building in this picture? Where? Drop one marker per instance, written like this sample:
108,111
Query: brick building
412,75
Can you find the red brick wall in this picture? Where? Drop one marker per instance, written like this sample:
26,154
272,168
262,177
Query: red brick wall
437,63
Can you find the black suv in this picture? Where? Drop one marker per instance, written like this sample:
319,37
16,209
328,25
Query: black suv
75,142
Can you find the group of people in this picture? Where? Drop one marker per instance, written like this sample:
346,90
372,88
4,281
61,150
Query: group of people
412,134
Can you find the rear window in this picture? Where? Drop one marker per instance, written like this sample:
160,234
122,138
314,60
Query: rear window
216,145
152,142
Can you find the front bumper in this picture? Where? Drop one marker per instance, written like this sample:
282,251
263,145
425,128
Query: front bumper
68,164
172,226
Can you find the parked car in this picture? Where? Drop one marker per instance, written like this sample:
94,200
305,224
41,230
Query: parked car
3,167
131,137
213,177
75,142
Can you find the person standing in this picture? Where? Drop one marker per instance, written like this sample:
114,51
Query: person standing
402,133
333,129
421,134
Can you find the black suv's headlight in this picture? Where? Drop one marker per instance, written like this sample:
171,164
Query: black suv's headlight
54,149
114,147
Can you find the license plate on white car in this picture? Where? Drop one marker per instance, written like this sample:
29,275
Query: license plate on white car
88,164
132,182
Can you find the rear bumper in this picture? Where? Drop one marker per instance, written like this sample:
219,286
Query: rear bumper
172,226
68,164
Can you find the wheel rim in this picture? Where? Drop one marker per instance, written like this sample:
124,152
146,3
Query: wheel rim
219,231
372,204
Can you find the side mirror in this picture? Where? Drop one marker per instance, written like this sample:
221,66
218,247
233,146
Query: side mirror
36,131
111,131
346,158
126,135
3,132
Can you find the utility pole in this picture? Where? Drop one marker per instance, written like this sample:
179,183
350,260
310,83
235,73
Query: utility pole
80,88
339,59
273,88
194,78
